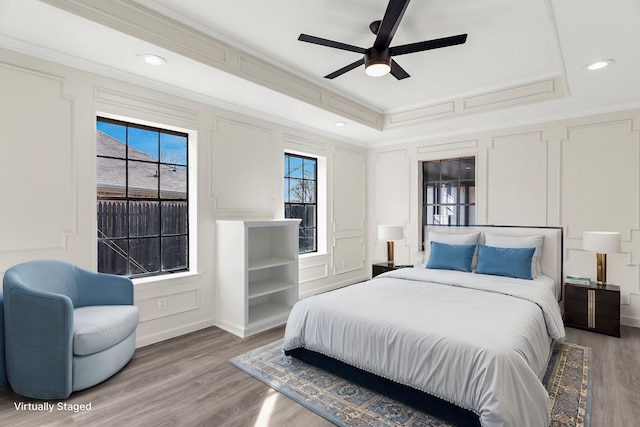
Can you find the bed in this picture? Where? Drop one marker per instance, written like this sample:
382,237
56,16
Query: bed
466,336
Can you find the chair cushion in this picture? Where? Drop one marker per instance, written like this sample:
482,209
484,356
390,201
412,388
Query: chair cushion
99,327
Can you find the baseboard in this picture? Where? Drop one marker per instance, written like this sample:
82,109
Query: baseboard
142,341
630,321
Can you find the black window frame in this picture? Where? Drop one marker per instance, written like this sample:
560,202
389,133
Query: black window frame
462,179
306,231
122,244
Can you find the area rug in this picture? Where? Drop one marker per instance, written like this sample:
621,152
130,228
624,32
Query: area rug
568,381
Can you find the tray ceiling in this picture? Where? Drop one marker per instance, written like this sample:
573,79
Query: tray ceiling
523,60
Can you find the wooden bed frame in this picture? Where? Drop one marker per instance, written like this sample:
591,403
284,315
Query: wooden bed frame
552,258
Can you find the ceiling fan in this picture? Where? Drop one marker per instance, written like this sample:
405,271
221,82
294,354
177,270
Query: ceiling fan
377,59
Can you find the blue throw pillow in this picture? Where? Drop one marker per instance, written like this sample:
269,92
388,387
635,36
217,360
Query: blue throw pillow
450,257
510,262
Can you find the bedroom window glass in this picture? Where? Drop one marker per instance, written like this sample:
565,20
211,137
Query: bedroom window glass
300,198
449,191
142,199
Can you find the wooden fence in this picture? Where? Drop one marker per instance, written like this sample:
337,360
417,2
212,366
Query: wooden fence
156,232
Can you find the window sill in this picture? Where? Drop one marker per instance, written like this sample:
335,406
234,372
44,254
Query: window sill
167,279
312,255
311,259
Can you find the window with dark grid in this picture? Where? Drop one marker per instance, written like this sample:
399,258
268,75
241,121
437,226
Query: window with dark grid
449,191
142,197
300,198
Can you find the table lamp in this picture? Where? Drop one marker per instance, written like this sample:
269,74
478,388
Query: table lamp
602,243
390,233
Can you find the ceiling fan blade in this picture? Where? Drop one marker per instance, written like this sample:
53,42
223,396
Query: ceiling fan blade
330,43
397,71
390,22
427,45
343,70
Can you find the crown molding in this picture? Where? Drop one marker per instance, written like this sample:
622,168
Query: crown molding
511,96
129,17
138,21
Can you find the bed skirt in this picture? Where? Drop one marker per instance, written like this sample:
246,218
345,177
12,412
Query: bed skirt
417,399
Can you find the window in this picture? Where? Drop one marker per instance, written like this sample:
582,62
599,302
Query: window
449,192
142,197
300,198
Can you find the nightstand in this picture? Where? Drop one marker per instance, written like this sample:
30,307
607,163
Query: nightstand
593,308
383,267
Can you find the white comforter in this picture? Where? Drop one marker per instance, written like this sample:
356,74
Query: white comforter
481,342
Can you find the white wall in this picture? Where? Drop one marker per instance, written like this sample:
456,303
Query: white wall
48,183
583,174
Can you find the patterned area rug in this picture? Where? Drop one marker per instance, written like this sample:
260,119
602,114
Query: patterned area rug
567,380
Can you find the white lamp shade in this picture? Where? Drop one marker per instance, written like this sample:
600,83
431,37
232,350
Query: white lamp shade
602,242
390,232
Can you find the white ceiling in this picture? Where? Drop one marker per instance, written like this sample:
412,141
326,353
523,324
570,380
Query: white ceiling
485,61
511,43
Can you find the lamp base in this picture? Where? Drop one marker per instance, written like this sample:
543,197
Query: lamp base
601,269
390,253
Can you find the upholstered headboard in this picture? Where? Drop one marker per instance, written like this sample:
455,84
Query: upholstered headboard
552,247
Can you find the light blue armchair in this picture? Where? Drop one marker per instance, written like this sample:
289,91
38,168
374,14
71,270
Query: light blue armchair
66,329
3,372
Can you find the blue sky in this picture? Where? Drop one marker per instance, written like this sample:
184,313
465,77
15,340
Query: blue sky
173,148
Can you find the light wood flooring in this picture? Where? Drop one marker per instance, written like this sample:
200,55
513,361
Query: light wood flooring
188,381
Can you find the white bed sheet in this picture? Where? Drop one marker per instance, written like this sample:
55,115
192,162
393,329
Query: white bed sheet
545,282
454,335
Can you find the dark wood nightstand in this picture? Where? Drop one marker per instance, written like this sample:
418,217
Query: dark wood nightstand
593,308
383,267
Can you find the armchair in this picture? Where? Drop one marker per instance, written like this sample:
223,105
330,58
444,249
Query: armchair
3,372
66,329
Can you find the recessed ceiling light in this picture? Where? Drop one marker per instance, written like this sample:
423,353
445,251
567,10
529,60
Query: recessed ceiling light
598,65
152,59
339,124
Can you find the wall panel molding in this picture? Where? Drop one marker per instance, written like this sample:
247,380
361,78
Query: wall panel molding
50,148
392,187
516,162
447,149
355,111
247,163
344,250
298,143
600,175
313,271
525,93
428,113
590,164
279,79
348,210
510,96
145,105
177,302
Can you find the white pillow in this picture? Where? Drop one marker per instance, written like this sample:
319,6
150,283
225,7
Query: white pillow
454,239
500,241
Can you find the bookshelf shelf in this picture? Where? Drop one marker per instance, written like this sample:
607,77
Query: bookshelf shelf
257,274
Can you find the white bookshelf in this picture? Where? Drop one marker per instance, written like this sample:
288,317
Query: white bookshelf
257,274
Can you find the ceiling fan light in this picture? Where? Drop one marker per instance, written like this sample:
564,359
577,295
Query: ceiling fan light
377,69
